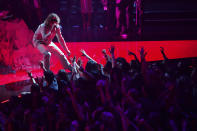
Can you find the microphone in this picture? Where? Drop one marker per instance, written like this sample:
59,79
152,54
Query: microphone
59,26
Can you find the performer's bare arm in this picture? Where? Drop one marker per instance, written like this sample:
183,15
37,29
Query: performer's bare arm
61,40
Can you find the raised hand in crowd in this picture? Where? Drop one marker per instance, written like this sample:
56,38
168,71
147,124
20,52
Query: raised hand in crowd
86,55
42,66
107,57
163,53
111,50
133,54
142,54
31,77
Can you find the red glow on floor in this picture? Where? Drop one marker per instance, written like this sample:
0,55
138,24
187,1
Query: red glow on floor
173,50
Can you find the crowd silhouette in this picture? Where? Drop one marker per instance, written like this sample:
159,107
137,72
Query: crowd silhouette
119,96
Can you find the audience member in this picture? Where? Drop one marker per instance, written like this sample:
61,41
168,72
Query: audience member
122,96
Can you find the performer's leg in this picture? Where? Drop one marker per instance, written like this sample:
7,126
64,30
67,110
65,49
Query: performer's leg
47,55
64,61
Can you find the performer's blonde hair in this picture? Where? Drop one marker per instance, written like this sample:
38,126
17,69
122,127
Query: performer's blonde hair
52,17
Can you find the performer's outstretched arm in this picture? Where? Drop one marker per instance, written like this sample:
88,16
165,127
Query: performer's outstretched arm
62,41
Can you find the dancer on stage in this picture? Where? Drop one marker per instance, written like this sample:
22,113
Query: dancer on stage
43,37
86,12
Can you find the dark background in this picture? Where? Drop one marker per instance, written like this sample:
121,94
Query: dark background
163,19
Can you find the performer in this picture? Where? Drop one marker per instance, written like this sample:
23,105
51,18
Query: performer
139,16
43,37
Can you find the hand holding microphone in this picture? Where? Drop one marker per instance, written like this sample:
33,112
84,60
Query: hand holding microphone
56,27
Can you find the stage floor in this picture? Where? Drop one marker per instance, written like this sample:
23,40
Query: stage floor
12,84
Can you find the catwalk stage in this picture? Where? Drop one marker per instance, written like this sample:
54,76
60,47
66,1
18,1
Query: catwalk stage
15,83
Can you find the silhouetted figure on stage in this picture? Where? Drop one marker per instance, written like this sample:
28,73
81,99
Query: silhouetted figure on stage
125,7
111,14
139,16
86,12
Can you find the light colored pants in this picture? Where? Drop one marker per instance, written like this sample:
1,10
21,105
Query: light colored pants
47,50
